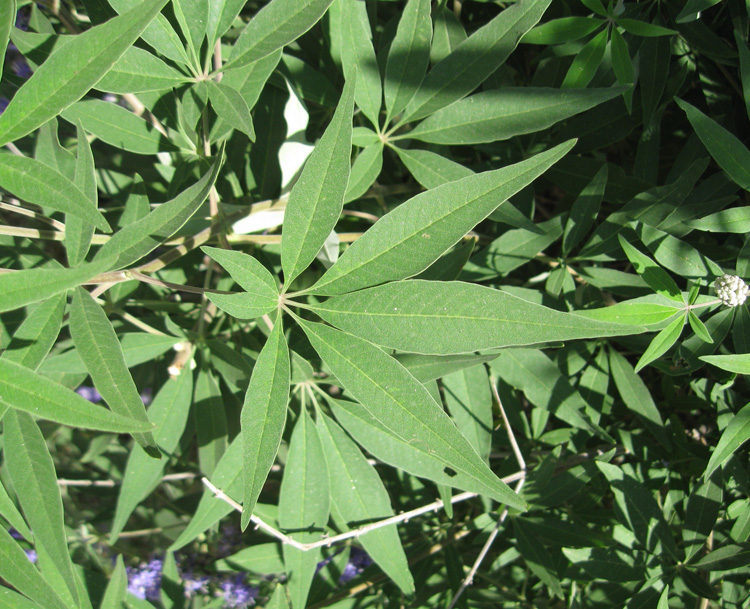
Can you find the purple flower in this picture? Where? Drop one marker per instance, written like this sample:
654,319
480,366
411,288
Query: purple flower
359,560
231,537
145,581
89,393
4,101
238,594
194,585
147,395
31,555
22,19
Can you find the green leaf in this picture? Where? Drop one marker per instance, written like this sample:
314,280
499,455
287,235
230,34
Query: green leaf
136,240
427,368
415,234
640,510
701,512
643,28
19,572
231,107
405,408
472,61
584,211
739,364
431,169
159,33
678,255
733,220
469,401
408,56
138,71
317,198
32,472
729,152
357,496
404,315
661,343
536,557
622,66
501,114
114,595
700,330
210,421
637,396
564,29
7,19
278,599
228,477
78,232
137,348
37,334
358,58
192,15
612,565
35,182
734,436
261,295
304,503
20,288
29,391
631,313
221,14
725,558
169,412
365,170
586,62
651,272
72,70
264,416
97,344
273,27
545,386
263,558
117,126
10,512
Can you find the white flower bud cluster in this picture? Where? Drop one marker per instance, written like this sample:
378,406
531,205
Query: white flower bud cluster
731,290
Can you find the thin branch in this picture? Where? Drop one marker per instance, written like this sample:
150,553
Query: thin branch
358,532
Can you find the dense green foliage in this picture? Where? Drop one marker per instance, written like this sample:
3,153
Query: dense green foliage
443,301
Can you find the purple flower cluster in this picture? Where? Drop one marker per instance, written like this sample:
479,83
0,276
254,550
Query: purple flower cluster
145,581
359,560
238,594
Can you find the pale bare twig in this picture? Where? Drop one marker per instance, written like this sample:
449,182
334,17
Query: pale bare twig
469,579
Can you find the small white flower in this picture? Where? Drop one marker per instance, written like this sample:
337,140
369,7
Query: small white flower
731,290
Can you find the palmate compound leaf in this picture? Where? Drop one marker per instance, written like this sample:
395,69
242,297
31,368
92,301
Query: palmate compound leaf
72,70
405,408
415,234
448,317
